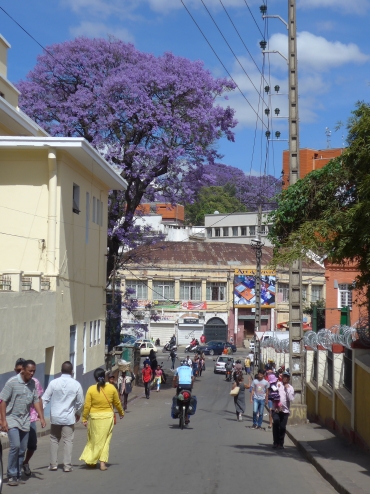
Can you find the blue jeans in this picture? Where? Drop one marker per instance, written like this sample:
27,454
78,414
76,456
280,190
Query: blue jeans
258,407
18,444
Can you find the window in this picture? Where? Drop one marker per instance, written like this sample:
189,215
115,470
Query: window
95,332
344,295
141,289
91,334
76,199
329,368
304,293
216,291
263,230
97,212
252,231
235,231
225,231
163,290
87,218
243,231
190,290
347,374
217,232
316,293
283,289
72,344
99,331
209,232
94,210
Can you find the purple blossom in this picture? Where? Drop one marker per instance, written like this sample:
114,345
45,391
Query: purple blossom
153,117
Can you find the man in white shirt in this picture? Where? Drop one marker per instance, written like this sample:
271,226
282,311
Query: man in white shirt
67,399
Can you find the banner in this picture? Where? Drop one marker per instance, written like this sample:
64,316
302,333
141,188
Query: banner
245,286
166,304
194,305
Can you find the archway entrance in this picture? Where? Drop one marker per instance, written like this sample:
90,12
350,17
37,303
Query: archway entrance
215,329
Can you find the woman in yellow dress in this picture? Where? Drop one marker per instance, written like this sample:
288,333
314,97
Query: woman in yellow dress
98,414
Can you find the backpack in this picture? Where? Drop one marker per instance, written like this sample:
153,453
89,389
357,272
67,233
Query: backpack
274,394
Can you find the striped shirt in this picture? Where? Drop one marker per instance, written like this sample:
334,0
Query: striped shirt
19,396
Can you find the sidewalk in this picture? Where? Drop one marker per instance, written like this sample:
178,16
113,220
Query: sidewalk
343,465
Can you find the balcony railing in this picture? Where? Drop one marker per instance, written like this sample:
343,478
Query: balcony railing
26,283
5,283
45,284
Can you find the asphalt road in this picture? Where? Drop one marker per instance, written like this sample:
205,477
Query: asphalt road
215,454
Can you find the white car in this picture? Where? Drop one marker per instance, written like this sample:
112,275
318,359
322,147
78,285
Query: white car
220,364
145,348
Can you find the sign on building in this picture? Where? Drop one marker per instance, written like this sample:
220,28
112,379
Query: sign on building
245,286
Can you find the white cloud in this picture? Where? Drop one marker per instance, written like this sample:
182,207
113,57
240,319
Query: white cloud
316,52
100,30
357,7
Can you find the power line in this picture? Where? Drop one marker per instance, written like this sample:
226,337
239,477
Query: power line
251,13
241,39
219,59
232,51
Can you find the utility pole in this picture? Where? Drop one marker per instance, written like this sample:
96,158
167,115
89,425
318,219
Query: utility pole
297,359
257,247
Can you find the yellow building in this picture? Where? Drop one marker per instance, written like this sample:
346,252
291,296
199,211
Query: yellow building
197,288
53,241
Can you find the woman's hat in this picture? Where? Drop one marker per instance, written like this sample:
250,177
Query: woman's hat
272,378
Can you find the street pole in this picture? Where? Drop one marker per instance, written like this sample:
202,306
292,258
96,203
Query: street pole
257,247
296,354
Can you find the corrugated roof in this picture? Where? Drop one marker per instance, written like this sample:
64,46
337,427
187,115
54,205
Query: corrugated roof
205,253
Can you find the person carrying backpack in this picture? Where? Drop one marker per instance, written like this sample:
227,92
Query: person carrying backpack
173,357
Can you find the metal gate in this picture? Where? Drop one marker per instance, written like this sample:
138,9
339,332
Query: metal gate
215,329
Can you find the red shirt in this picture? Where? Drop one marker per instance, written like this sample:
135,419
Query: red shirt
147,374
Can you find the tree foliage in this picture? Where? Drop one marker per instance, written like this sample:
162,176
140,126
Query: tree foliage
249,190
154,118
328,211
211,199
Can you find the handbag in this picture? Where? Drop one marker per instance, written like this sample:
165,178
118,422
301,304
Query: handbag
114,415
235,391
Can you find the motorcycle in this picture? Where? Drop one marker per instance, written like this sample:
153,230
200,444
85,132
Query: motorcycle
168,347
229,374
193,345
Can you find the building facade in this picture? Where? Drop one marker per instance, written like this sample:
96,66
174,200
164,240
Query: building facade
53,241
204,288
235,227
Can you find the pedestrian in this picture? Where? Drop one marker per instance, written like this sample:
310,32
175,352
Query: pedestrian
158,377
173,357
146,361
238,368
203,339
259,399
195,365
153,360
239,399
282,410
273,395
112,380
247,365
98,414
147,376
189,361
251,356
32,437
126,387
17,397
66,401
200,366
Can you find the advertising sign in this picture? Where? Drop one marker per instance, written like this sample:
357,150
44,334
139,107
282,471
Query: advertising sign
245,288
194,305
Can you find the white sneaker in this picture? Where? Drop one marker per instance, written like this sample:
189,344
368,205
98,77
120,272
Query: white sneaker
240,418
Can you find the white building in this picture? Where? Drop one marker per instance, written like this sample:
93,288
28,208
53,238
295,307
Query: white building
235,228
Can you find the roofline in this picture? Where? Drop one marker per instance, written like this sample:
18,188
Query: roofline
20,117
64,143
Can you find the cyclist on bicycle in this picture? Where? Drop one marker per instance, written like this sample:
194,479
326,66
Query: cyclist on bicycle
184,377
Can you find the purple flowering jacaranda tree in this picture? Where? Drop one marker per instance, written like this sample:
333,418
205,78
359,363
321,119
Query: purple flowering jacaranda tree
155,118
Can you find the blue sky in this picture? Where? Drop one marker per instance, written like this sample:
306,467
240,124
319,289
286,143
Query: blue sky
333,55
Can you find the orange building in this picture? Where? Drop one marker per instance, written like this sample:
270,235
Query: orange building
174,214
309,160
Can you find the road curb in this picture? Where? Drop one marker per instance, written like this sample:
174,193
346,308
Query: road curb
340,483
45,432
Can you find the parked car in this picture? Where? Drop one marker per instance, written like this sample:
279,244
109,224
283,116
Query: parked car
145,348
215,347
221,363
